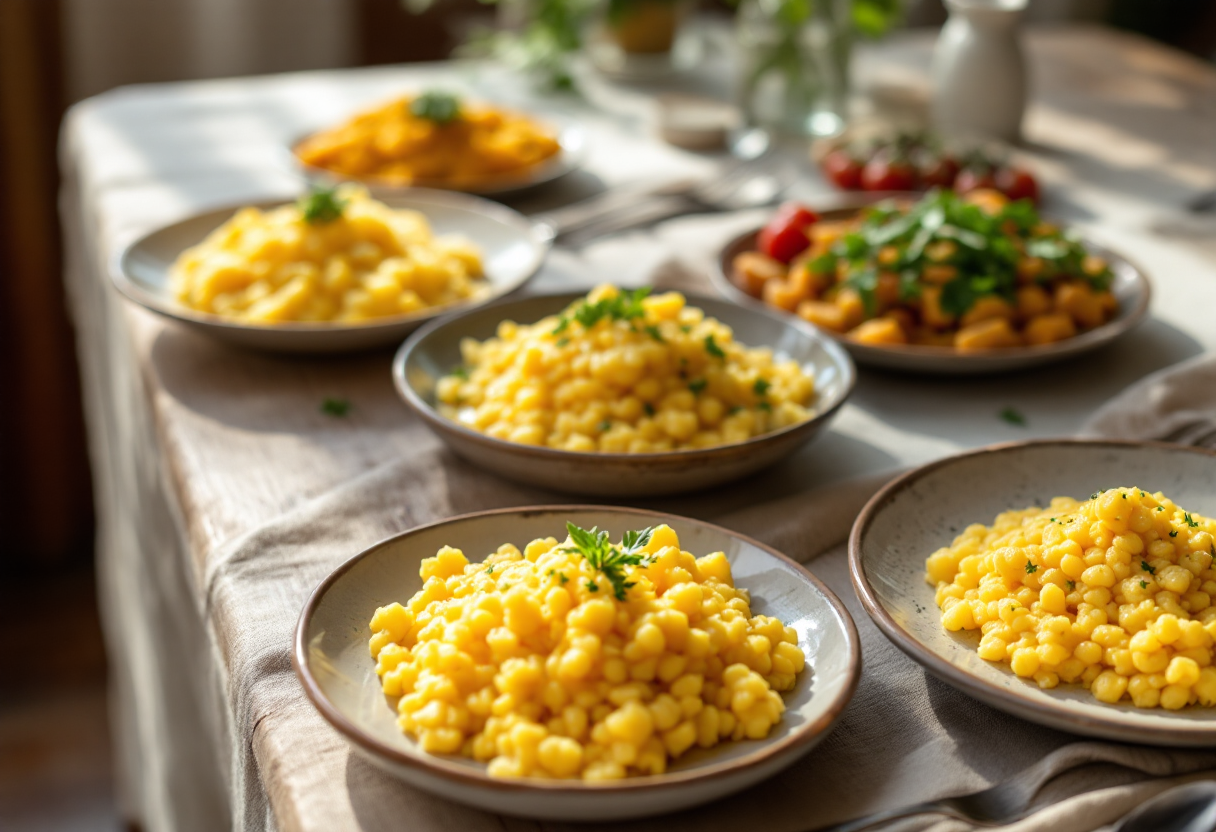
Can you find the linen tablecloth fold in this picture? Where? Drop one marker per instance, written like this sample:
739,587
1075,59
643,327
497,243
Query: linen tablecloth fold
906,737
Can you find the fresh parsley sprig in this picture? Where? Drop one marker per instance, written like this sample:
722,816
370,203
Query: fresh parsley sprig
321,205
607,559
437,106
624,306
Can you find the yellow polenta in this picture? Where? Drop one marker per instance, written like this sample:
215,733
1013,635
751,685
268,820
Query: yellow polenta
1114,593
357,260
624,372
582,659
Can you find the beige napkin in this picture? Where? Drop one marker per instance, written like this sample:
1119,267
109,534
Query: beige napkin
905,738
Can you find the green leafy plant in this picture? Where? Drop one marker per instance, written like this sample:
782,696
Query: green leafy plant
321,205
437,106
624,306
607,559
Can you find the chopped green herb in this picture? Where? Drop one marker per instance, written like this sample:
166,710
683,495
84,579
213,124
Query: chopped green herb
765,406
1071,585
490,569
685,328
561,342
604,426
562,575
1096,495
624,306
1144,584
1189,521
335,407
1031,568
1173,534
697,385
653,332
607,559
761,387
321,205
1013,417
1146,567
593,586
562,324
733,410
549,574
712,347
1160,508
460,372
437,106
649,408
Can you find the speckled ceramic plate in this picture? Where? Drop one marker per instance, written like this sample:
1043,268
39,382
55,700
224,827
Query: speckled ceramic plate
512,248
435,351
571,137
332,661
925,509
1131,287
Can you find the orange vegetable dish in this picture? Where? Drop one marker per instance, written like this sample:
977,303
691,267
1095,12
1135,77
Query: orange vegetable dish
432,138
971,273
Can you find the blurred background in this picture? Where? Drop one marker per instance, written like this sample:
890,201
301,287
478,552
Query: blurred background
53,743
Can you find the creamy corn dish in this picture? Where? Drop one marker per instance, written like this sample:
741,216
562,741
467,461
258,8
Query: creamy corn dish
1114,593
433,137
623,372
336,255
582,659
974,272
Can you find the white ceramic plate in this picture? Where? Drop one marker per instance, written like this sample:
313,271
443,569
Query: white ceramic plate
925,509
512,248
571,137
332,661
435,351
1131,287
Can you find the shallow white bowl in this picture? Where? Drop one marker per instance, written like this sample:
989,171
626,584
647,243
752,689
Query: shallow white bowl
571,137
925,509
435,351
331,659
1131,287
513,250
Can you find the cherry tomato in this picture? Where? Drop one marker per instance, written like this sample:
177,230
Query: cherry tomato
785,237
938,171
974,177
1017,183
842,169
887,172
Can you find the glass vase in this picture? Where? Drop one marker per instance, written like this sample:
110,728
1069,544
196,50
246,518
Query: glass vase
794,65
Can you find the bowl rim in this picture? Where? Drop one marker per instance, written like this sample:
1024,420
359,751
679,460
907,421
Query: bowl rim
806,734
133,290
441,423
572,141
942,668
1069,346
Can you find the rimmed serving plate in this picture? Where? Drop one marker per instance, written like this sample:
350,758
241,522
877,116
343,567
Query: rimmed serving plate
1131,287
434,351
512,248
573,153
925,509
331,659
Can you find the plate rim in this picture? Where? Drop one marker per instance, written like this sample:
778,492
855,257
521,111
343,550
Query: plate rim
970,684
439,422
572,139
1082,342
806,735
133,290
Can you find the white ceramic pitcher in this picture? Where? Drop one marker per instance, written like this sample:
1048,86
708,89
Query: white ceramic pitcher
979,74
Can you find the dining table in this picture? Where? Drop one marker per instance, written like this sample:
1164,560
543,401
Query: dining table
225,491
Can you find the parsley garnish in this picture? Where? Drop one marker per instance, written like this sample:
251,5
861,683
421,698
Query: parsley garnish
653,332
1173,534
1031,568
460,372
624,306
321,205
685,328
561,342
764,406
1187,517
1144,584
1013,417
649,408
562,575
761,387
549,574
1071,585
1160,508
605,425
1096,495
1144,566
712,347
609,560
335,407
592,586
697,386
437,106
490,569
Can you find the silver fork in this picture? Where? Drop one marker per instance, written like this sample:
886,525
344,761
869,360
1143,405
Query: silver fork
735,185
